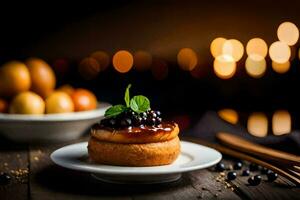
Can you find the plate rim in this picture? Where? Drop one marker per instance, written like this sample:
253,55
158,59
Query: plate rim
118,172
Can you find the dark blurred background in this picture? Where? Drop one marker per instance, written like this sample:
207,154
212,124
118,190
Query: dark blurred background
63,35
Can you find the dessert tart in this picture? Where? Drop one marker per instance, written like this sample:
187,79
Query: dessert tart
134,135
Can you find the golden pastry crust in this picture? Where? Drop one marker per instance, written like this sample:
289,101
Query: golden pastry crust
139,155
166,132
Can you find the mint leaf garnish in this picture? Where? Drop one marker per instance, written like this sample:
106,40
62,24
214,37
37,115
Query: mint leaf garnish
139,104
115,110
127,96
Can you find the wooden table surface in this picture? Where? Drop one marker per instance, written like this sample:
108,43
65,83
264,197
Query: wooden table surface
35,176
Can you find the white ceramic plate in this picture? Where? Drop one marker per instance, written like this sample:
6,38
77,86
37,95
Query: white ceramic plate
193,157
50,127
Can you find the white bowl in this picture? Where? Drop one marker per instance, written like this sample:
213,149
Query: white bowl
49,127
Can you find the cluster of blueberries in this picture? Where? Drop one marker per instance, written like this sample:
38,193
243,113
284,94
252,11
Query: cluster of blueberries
131,118
4,178
253,180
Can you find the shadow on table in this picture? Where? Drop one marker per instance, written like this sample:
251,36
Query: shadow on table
7,145
57,179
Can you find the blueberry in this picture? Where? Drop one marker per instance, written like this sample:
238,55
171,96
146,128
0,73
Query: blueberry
158,113
144,120
220,167
253,167
272,176
130,114
125,122
151,121
112,122
105,122
238,165
254,180
264,170
4,178
144,114
137,120
153,115
246,172
158,121
231,175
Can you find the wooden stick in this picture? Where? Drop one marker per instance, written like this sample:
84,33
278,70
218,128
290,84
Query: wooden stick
243,156
241,144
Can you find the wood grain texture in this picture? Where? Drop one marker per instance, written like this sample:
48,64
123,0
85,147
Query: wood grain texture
48,181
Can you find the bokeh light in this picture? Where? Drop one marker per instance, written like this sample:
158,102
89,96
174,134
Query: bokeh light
102,58
281,122
229,115
281,67
224,66
89,68
187,59
160,69
288,33
216,47
123,61
255,65
257,46
142,60
233,48
280,52
257,124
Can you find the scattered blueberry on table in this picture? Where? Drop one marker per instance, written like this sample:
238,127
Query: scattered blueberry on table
231,175
4,178
254,180
220,167
272,176
252,167
238,165
246,172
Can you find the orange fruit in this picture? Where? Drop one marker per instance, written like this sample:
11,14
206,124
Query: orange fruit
14,78
3,106
59,102
84,100
42,76
67,89
27,103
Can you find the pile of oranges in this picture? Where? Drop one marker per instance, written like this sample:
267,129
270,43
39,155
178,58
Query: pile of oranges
29,88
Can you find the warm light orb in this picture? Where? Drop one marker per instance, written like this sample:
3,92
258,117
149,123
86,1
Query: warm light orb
102,58
187,59
281,67
257,124
281,122
229,115
257,46
89,68
233,48
216,47
123,61
288,33
256,66
224,66
142,60
280,52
